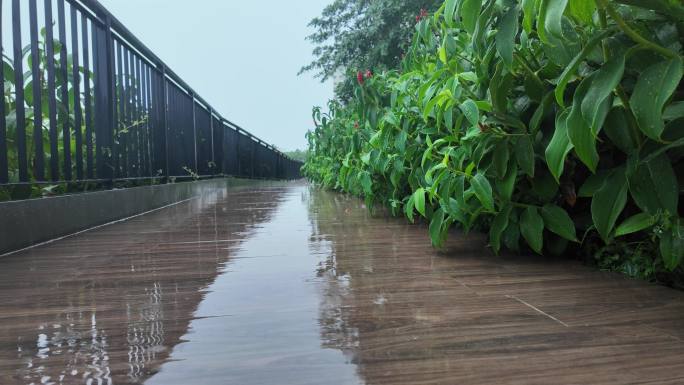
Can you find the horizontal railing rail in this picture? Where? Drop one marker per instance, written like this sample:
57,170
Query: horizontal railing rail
86,101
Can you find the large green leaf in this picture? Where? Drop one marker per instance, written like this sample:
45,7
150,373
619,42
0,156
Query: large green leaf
603,82
499,224
654,186
582,140
459,191
570,69
592,184
505,37
672,247
651,92
470,11
619,132
483,191
582,10
471,112
449,11
524,154
558,147
532,228
419,200
558,221
506,186
551,15
634,223
500,159
435,228
608,203
409,207
579,132
530,11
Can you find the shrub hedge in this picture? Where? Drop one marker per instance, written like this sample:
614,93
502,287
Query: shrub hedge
555,125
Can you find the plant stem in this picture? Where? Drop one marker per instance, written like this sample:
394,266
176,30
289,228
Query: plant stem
529,70
634,35
603,21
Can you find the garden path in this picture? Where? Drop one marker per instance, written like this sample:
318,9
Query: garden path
291,285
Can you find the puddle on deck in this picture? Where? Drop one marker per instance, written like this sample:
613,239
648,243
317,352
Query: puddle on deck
290,285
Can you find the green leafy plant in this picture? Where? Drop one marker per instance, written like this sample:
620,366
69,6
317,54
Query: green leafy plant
29,106
128,129
361,33
555,125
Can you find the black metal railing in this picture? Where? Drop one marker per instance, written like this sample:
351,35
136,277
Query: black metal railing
86,101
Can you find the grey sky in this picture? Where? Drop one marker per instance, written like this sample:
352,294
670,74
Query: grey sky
241,56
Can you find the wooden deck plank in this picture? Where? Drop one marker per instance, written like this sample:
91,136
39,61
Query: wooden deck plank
326,293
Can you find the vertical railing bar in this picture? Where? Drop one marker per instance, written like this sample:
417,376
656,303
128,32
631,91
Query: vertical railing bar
102,50
238,169
194,130
39,156
138,102
155,105
211,134
66,130
20,138
130,105
143,99
77,94
121,122
152,123
110,97
87,100
136,112
116,117
4,172
98,114
173,129
153,118
176,111
129,111
165,123
253,160
146,118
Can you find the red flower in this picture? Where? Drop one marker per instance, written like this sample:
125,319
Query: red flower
356,125
369,74
359,77
422,15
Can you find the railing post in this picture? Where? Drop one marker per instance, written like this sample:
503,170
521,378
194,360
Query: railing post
164,104
237,152
20,129
116,66
211,133
4,172
254,148
64,71
194,131
104,99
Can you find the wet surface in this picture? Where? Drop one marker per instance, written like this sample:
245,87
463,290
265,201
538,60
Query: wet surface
290,285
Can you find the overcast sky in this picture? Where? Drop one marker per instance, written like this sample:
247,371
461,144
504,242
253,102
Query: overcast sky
240,56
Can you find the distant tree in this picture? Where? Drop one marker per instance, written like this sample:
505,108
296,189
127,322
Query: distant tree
299,155
357,35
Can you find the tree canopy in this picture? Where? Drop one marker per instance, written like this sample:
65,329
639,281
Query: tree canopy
357,35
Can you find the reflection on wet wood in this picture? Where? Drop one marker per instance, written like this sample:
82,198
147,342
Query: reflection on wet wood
107,306
411,315
296,286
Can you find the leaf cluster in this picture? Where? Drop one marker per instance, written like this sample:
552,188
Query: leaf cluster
554,125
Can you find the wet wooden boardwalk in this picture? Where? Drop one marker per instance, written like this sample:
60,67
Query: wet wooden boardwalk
288,285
